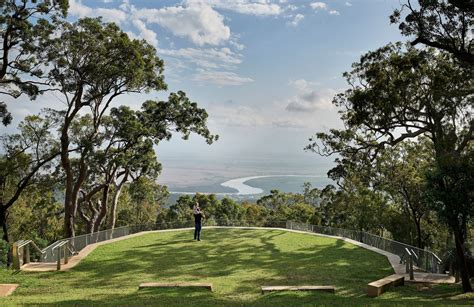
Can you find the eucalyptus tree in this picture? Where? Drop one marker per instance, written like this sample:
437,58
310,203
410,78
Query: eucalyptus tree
27,156
125,152
91,63
444,24
397,94
402,174
25,25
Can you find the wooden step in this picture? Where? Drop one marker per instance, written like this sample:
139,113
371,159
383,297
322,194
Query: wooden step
7,289
330,289
175,285
378,287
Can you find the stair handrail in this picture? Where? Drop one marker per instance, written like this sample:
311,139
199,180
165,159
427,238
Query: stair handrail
21,252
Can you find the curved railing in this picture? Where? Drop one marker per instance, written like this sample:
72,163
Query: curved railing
424,259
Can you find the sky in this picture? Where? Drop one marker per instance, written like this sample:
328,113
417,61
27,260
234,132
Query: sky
264,70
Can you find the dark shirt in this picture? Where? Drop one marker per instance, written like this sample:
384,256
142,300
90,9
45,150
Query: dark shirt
198,218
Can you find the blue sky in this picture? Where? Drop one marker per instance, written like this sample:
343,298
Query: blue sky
265,70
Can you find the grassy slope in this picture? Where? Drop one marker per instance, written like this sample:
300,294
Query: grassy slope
237,262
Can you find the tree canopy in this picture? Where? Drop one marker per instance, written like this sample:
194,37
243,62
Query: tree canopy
444,24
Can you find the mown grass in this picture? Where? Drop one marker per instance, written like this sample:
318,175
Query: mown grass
238,262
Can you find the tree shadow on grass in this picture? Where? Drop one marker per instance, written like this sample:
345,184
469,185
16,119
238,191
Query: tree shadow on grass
240,256
237,262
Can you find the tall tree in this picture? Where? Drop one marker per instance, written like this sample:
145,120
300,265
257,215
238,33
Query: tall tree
402,174
444,24
27,154
25,25
399,93
91,64
124,150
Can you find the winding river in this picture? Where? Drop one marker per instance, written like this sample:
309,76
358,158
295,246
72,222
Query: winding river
242,188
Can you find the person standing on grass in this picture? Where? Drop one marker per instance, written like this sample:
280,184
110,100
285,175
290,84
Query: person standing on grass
198,216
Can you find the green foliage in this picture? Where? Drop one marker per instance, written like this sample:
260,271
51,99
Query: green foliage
442,24
140,202
398,94
4,247
24,27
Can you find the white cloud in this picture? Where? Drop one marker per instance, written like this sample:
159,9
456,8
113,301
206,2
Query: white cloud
236,116
199,23
221,78
145,33
237,45
205,57
296,20
348,3
301,84
319,6
309,99
291,123
76,8
248,7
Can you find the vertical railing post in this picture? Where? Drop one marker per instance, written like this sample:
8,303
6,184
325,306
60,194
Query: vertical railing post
26,254
412,277
66,253
16,256
58,265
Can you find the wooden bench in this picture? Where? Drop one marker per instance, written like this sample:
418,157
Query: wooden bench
329,289
378,287
207,286
7,289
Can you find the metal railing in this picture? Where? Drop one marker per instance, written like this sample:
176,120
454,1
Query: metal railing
22,254
65,248
78,243
408,257
425,259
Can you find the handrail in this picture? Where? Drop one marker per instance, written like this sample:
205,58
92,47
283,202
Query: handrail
425,259
74,245
409,262
60,244
21,252
23,243
414,254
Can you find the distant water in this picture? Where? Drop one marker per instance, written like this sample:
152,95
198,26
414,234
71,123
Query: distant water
255,185
242,177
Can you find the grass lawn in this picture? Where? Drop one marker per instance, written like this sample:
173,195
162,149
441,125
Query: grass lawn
236,261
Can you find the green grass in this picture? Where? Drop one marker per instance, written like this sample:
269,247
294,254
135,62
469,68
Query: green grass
236,261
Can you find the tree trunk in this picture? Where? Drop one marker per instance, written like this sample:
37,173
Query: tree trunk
418,233
103,209
5,237
462,263
66,164
113,209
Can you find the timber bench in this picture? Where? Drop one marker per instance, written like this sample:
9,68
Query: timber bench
378,287
329,289
207,286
